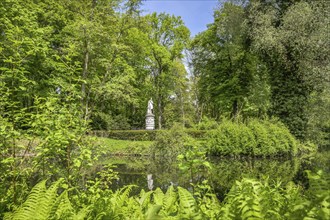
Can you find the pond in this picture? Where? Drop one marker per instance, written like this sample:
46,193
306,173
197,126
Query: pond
225,171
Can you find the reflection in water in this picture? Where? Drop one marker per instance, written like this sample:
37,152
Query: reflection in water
162,173
227,171
150,181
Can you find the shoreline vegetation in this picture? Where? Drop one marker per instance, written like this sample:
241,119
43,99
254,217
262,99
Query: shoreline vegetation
256,138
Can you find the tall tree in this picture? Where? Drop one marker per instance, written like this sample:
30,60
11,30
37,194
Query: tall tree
168,38
224,66
292,38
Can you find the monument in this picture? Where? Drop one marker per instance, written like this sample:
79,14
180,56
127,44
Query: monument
150,117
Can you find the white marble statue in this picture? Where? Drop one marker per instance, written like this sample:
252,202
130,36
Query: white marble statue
150,106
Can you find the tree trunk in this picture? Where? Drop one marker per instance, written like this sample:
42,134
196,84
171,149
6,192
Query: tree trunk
84,97
160,113
235,109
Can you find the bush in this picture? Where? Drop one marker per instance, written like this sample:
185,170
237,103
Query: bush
172,142
197,134
207,124
257,138
261,134
231,139
283,142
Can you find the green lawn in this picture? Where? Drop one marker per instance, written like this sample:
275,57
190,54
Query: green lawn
124,147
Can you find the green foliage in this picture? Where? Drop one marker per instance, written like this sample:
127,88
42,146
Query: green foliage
272,137
196,134
206,124
51,144
226,171
142,135
227,73
231,138
255,138
292,41
266,58
102,121
170,143
43,203
63,144
193,160
247,199
168,38
251,199
319,123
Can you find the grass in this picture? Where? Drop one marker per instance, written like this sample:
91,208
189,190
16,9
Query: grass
124,147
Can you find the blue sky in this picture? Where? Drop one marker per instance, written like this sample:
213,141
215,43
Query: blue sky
196,14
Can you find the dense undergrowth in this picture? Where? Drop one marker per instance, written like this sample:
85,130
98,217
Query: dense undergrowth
247,199
254,138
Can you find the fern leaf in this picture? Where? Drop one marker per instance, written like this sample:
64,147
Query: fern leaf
169,202
187,205
158,196
28,209
152,212
47,202
144,199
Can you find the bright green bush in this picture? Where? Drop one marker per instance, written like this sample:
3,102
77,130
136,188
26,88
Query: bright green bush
263,143
282,141
255,138
172,142
231,139
206,124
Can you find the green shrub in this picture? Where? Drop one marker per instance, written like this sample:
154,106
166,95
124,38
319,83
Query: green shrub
283,141
206,124
260,132
231,139
258,138
170,143
197,134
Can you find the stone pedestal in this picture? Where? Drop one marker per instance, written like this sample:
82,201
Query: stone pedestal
150,121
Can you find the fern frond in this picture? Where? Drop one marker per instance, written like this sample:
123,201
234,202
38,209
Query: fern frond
187,205
145,199
62,207
152,212
158,196
28,210
320,194
122,205
81,215
226,212
43,203
121,196
47,202
169,202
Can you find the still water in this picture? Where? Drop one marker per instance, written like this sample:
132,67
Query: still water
147,173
